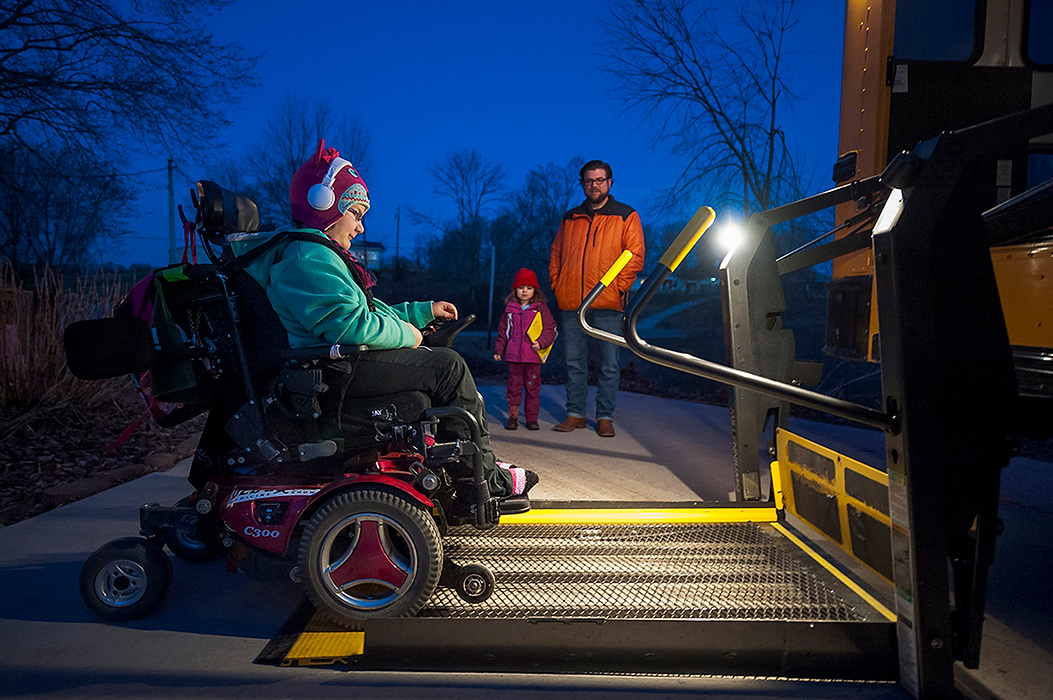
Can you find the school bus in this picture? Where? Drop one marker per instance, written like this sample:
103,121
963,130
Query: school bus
911,71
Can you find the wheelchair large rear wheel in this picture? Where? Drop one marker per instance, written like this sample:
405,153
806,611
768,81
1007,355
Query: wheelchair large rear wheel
369,553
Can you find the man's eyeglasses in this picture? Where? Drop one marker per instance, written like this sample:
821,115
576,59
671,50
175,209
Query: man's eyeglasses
595,181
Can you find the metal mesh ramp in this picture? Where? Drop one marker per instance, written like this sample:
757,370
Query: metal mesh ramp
730,571
717,597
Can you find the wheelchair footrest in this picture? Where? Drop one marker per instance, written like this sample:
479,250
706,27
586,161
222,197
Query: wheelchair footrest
514,504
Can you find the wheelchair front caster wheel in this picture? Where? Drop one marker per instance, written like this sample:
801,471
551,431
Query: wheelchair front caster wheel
475,583
125,579
182,539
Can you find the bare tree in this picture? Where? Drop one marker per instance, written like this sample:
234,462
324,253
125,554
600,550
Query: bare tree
289,139
531,216
472,184
713,75
78,73
60,209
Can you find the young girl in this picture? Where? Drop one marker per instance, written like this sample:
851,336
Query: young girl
324,297
523,305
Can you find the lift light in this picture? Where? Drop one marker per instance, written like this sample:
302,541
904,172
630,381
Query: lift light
729,236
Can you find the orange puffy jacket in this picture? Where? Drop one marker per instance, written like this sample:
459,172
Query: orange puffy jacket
586,245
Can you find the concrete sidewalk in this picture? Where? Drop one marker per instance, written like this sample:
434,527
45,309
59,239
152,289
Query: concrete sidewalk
201,641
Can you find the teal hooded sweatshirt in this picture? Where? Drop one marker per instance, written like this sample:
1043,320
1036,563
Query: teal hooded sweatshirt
318,301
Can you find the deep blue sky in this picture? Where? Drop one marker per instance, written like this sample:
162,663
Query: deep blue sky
521,82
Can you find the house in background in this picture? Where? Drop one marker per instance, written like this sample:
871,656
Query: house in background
675,283
369,252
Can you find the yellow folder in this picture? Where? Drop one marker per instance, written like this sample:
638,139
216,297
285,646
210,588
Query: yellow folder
534,332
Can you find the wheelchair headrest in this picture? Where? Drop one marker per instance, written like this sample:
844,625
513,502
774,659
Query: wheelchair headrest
221,212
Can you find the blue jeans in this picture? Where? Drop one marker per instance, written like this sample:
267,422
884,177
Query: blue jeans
576,346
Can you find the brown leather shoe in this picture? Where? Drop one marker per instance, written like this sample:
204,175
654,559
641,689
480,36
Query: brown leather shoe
605,428
513,423
572,423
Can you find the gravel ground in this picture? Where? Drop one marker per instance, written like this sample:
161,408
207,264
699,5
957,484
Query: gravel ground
59,455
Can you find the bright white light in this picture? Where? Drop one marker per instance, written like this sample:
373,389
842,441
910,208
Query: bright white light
729,235
890,212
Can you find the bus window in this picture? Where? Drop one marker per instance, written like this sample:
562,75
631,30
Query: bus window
1040,32
939,30
1039,169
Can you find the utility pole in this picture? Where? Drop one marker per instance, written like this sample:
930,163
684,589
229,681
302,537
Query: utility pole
398,222
171,213
490,307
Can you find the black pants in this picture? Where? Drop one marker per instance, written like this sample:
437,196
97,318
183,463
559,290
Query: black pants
442,375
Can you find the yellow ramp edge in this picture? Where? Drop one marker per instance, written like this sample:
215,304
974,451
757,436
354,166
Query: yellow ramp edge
852,585
640,516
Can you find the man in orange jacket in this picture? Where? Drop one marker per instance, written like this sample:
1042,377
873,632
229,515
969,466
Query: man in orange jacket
589,240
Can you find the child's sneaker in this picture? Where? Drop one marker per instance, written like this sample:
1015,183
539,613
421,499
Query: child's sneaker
522,479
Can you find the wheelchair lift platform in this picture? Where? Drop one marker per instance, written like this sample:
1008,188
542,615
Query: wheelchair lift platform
687,588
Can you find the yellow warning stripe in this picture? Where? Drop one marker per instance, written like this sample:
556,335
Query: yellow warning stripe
856,588
630,516
323,643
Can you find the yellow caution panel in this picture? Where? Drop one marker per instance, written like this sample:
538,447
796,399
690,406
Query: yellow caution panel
323,643
842,498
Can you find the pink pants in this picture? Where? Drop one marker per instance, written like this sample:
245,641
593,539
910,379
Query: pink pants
524,375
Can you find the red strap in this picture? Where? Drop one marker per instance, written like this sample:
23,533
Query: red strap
127,432
189,242
143,383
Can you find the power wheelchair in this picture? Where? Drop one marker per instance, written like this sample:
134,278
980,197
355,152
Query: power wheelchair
350,500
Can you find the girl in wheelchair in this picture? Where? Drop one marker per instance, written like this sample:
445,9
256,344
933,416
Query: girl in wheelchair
323,296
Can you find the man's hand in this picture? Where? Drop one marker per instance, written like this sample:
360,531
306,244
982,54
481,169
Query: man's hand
417,337
536,345
444,310
497,357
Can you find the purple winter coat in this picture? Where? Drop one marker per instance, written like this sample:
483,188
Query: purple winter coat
513,345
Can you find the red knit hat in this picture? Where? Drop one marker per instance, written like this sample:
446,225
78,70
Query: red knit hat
525,278
324,188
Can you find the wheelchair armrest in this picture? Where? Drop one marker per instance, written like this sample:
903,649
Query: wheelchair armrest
334,352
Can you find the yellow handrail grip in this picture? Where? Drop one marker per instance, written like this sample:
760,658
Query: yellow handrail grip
621,262
687,239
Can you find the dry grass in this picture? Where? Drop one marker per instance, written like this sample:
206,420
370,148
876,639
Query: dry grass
33,315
